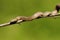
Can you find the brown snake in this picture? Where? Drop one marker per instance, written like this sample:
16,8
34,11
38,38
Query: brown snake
35,16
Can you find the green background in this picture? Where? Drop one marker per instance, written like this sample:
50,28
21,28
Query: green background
39,29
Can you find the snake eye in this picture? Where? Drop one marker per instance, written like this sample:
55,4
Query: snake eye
58,7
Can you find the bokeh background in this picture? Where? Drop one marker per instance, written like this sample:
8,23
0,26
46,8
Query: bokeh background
39,29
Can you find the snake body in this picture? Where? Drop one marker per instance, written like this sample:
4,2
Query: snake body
35,16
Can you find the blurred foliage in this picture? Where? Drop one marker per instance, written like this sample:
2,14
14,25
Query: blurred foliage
39,29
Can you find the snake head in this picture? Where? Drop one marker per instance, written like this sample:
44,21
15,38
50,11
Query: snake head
57,7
